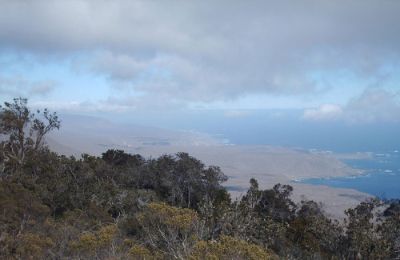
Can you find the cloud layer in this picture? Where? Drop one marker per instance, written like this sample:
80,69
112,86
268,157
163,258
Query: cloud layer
205,51
373,105
22,87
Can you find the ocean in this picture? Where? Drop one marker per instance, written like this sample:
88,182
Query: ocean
381,176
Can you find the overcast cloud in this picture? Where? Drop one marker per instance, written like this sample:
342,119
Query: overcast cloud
206,51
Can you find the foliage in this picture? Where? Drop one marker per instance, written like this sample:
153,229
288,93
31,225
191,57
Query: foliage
25,131
170,229
96,243
141,252
229,248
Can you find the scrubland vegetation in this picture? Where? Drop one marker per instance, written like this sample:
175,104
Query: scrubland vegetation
124,206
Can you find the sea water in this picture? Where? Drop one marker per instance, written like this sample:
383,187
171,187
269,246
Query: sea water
381,176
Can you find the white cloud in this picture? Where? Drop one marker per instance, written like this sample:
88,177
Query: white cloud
118,66
324,112
373,105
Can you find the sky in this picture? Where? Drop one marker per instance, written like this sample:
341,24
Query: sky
332,60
